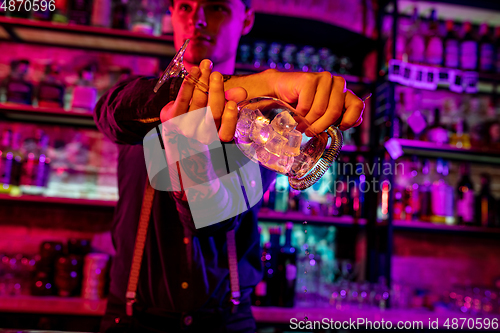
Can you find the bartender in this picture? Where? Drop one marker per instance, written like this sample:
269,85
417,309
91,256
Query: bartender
184,280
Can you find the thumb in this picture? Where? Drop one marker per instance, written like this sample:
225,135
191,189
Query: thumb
167,112
237,94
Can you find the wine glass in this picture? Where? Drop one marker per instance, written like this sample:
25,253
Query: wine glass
270,132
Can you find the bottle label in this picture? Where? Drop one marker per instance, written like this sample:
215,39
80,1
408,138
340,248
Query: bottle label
417,49
261,288
451,53
465,206
291,272
486,57
468,55
434,52
497,65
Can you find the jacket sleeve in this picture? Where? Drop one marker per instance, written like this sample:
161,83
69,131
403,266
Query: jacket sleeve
130,109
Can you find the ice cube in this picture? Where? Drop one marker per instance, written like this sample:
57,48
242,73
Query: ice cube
243,129
247,114
303,163
292,148
286,162
275,143
260,131
261,153
283,123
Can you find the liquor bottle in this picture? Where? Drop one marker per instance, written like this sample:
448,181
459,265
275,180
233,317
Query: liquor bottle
411,196
485,204
358,190
51,90
468,49
451,46
20,10
271,271
486,50
29,169
60,15
460,138
416,44
342,198
425,192
269,197
260,291
437,132
80,11
465,197
497,49
434,43
442,196
18,88
403,114
101,13
416,121
10,162
84,93
142,17
120,18
287,269
42,173
42,15
281,203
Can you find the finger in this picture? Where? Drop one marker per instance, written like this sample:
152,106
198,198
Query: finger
181,104
237,94
307,91
228,122
360,120
354,111
200,98
335,106
166,112
216,98
321,98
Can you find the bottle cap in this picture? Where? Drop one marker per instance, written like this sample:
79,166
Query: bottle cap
484,29
450,25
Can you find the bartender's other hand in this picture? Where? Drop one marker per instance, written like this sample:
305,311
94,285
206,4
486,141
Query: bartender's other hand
190,98
320,98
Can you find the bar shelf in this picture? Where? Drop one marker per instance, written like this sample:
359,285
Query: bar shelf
52,305
430,149
83,307
58,200
85,37
264,214
273,216
439,227
19,112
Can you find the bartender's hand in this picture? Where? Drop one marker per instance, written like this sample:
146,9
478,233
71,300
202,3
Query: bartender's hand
190,98
320,97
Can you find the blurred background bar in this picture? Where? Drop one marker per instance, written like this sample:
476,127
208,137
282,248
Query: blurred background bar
405,225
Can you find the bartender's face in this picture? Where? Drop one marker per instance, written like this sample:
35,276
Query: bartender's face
214,28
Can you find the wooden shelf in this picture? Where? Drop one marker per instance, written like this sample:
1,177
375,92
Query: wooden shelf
83,307
19,112
284,315
59,201
430,149
84,37
264,214
269,215
428,226
52,305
